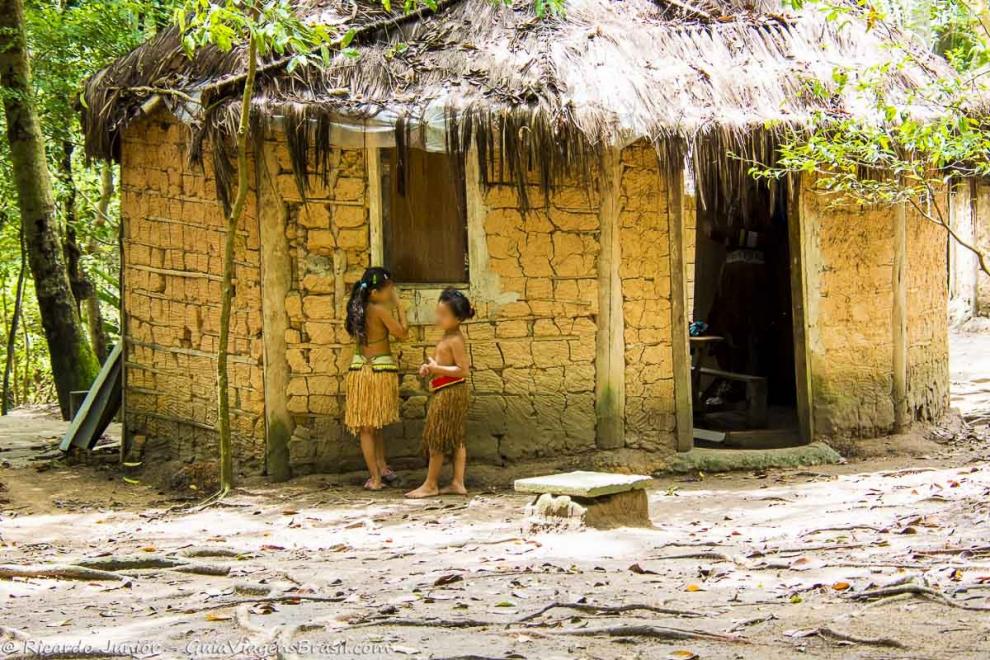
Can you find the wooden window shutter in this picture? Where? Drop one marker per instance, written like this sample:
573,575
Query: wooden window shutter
424,217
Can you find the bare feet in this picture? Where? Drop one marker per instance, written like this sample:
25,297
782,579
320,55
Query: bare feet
371,484
423,491
454,489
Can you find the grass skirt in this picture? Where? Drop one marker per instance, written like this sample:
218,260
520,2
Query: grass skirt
372,399
446,419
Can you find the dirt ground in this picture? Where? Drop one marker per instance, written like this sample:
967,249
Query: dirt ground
887,557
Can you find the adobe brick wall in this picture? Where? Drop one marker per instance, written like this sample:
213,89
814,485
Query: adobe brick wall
534,357
645,273
850,268
172,258
928,319
533,344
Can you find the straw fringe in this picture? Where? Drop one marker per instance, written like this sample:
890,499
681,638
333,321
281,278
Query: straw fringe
446,420
610,72
372,399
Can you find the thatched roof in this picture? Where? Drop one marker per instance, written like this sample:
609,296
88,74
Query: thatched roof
608,72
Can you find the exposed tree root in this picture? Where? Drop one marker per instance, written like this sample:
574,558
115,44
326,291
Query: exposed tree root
917,590
57,572
611,609
714,556
847,528
829,633
129,563
199,552
285,598
427,623
509,539
215,498
952,551
875,564
477,623
203,569
139,563
808,548
655,632
746,623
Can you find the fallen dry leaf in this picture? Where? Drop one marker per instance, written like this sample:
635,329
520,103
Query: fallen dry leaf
682,654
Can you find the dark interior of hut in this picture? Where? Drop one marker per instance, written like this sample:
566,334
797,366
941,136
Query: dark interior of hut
742,345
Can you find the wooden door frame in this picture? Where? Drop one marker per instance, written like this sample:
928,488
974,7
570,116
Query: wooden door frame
800,247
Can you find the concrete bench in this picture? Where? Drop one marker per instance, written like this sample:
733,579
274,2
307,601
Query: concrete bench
594,499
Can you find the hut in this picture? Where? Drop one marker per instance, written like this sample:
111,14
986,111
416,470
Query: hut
580,176
969,286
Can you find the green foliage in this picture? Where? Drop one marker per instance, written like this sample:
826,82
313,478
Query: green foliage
31,380
271,24
69,41
908,150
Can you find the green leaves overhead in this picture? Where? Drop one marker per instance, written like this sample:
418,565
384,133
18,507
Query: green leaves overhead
908,149
277,30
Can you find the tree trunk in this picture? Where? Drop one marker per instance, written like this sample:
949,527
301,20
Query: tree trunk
227,289
15,317
73,363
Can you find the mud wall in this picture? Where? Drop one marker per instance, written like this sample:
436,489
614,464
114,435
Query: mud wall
328,241
645,273
173,236
848,260
928,318
534,279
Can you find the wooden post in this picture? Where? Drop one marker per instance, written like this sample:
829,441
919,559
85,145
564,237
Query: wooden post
798,234
376,237
276,281
900,321
610,354
680,336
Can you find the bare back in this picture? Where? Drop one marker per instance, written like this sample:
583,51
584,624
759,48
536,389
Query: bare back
376,330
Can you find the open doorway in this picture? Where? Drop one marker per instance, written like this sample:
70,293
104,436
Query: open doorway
743,374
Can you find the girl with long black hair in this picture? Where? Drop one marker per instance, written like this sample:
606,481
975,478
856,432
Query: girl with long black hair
374,313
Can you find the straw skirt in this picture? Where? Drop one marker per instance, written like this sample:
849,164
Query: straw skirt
446,419
372,399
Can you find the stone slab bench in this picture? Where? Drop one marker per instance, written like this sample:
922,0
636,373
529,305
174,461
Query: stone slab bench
593,499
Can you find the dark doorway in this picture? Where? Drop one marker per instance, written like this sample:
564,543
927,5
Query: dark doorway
743,377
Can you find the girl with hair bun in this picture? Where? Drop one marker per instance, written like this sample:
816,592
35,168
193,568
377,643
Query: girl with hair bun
446,419
374,312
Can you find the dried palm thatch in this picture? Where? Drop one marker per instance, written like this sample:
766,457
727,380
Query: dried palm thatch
544,95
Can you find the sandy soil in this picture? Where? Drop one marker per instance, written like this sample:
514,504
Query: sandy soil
878,559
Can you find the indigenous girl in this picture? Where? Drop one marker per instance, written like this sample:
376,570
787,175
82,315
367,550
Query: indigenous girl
374,312
446,419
